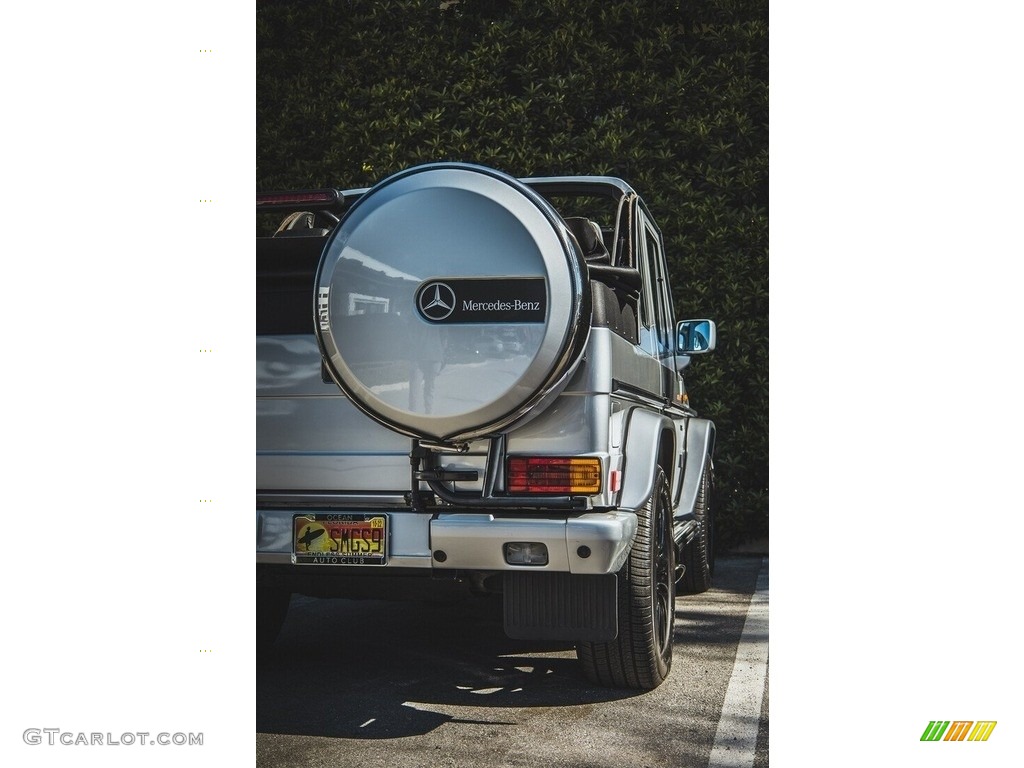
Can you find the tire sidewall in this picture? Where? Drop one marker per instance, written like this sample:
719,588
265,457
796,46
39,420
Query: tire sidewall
661,588
664,580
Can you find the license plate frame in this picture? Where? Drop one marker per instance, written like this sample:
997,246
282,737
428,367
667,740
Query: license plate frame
340,538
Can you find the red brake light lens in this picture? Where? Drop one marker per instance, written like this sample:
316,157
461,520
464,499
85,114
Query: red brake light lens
553,474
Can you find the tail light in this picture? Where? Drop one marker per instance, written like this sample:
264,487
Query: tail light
553,474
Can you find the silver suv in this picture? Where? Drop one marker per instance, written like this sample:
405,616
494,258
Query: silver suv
467,378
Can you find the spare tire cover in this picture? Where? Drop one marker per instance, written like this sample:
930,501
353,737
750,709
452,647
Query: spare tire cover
449,302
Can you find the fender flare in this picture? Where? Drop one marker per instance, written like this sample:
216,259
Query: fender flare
700,445
648,436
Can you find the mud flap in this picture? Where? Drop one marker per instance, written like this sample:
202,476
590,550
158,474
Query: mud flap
560,606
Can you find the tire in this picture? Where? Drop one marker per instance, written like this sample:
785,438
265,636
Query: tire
641,654
271,610
699,554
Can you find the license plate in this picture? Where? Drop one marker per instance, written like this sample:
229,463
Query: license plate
340,538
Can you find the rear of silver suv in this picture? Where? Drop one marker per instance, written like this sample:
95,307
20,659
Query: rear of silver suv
464,377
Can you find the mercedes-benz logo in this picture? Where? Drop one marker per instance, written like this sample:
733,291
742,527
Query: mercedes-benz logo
437,301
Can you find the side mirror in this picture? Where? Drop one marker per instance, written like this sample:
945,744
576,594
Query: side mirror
695,337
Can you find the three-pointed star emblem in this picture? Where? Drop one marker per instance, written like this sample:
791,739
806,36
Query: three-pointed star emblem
437,301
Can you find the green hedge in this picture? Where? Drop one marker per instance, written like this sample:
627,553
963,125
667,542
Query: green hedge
671,96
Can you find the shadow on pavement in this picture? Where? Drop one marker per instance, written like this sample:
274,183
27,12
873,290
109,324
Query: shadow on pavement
384,670
364,669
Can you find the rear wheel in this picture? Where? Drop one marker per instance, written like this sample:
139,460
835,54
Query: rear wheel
641,654
700,552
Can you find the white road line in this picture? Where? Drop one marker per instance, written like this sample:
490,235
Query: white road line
736,737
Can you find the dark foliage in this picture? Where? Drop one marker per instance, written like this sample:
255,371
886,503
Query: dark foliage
671,96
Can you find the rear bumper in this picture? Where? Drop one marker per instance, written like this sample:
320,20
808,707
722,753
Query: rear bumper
595,542
591,543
